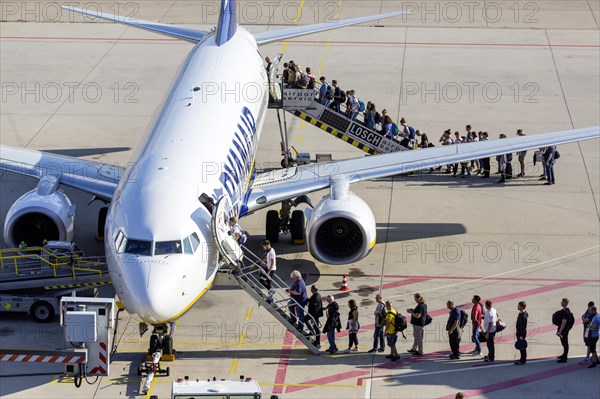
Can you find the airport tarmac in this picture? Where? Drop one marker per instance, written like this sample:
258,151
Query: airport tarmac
89,89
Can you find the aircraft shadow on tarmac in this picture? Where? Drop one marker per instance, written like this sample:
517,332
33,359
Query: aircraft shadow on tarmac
86,152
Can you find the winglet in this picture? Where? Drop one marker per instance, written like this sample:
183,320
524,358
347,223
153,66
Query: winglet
227,25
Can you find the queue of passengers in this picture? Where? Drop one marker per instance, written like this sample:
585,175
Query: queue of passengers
333,97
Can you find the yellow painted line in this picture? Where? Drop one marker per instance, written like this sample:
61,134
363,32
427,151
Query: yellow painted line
234,365
324,54
294,21
302,125
249,314
151,387
60,379
299,138
500,274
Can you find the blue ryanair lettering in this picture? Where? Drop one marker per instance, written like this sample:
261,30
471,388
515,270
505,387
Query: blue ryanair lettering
239,159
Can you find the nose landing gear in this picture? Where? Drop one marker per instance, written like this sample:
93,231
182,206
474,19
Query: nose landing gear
160,348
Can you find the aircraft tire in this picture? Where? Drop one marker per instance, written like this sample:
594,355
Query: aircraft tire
153,344
297,228
168,345
272,226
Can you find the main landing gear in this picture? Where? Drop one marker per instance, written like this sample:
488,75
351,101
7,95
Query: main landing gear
285,220
161,348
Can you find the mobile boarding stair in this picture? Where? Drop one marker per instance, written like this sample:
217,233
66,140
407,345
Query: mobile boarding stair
239,266
302,104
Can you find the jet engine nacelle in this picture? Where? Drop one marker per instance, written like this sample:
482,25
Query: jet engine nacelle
44,213
341,229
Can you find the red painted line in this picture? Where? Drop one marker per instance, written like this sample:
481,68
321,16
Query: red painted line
519,295
456,44
284,360
440,44
386,276
376,288
504,338
26,358
396,284
518,381
117,39
329,379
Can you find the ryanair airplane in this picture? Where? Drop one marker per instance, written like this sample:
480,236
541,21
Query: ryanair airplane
159,243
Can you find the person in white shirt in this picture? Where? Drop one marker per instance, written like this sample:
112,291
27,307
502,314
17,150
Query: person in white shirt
489,321
270,259
236,231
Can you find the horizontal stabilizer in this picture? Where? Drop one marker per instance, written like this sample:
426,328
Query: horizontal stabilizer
281,34
189,34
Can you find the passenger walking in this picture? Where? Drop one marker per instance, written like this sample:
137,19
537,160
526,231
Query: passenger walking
521,332
339,96
521,155
565,318
476,319
549,159
379,324
485,162
489,321
315,310
352,105
299,298
324,92
269,259
418,316
332,322
352,327
586,318
391,334
453,329
236,231
593,332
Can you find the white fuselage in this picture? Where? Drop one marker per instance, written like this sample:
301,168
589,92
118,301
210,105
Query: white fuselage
202,141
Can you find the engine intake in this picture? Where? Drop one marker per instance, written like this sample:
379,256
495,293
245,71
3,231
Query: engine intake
341,229
45,213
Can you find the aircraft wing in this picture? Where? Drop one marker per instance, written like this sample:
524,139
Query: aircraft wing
280,34
273,187
95,178
180,32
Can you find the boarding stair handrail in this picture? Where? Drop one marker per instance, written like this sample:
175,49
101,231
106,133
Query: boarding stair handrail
249,277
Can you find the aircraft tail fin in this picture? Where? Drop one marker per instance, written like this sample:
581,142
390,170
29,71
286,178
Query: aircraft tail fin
281,34
227,25
180,32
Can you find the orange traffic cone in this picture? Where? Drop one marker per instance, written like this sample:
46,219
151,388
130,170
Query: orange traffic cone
344,286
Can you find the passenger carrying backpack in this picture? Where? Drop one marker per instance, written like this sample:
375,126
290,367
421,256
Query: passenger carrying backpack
329,92
464,318
400,323
361,105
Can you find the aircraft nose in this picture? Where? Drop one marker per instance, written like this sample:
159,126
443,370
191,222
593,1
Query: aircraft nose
154,287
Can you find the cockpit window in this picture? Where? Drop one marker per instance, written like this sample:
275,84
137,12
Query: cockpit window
138,247
195,241
167,247
120,242
187,247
